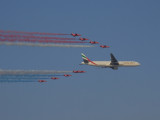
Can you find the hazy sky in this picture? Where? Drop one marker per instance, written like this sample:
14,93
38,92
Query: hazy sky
131,28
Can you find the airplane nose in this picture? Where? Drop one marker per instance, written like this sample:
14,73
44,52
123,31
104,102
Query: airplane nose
138,63
82,63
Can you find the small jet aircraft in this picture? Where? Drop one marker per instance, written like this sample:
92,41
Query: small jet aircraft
93,42
42,81
114,63
54,78
78,71
75,34
67,75
83,39
104,46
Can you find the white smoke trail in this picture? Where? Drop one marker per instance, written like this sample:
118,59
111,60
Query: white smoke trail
31,72
42,44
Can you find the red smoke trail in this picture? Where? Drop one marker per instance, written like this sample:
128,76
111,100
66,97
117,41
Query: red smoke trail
30,33
40,41
34,37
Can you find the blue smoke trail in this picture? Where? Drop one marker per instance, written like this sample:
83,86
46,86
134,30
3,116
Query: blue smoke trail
11,80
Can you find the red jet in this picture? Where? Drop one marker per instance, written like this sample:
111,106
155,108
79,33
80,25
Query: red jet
82,38
78,71
54,78
67,75
42,81
93,42
104,46
75,34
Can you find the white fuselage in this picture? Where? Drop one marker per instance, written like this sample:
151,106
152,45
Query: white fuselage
108,64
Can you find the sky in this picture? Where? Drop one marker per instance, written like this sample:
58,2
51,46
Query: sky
132,30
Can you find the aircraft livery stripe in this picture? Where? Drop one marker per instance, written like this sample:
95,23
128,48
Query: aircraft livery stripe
88,60
91,61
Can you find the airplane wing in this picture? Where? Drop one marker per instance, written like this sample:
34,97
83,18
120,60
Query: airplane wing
114,61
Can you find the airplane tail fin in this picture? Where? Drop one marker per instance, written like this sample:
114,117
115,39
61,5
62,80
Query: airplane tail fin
86,60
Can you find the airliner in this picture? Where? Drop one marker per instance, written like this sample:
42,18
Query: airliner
114,63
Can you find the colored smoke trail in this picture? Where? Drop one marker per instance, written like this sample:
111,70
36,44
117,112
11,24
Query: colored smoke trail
41,41
31,72
13,81
23,76
26,76
34,37
43,44
30,33
19,78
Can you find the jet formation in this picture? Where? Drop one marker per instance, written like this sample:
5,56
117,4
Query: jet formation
34,75
39,39
53,40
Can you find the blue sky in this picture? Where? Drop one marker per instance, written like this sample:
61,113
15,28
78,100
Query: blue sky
132,30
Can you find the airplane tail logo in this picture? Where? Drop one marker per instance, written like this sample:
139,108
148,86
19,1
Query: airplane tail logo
84,57
86,60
